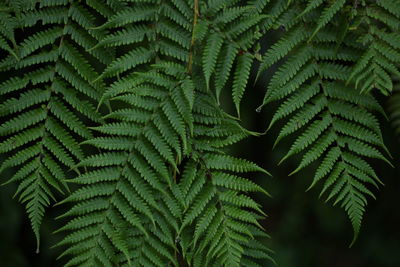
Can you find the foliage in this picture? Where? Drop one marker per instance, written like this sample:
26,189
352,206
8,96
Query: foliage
336,124
121,102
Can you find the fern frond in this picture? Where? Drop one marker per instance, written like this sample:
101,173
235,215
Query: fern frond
333,123
148,137
219,226
47,101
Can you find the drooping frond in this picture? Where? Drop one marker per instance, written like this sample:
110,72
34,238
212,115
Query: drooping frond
47,99
219,224
140,145
333,122
146,144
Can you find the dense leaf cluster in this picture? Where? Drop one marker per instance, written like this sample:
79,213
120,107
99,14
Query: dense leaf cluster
139,82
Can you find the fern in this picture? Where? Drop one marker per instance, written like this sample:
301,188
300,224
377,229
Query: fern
121,101
336,124
139,167
377,28
8,24
47,95
229,45
139,178
219,224
140,146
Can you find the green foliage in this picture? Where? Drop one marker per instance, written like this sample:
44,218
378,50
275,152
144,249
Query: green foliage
165,126
48,99
120,101
377,27
334,123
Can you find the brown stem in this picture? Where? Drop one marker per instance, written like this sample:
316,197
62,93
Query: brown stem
195,17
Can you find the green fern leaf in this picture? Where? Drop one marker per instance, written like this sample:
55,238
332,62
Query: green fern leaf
335,124
43,122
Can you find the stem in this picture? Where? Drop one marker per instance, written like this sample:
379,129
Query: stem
195,17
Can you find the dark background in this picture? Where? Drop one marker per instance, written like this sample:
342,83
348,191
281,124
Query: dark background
305,231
